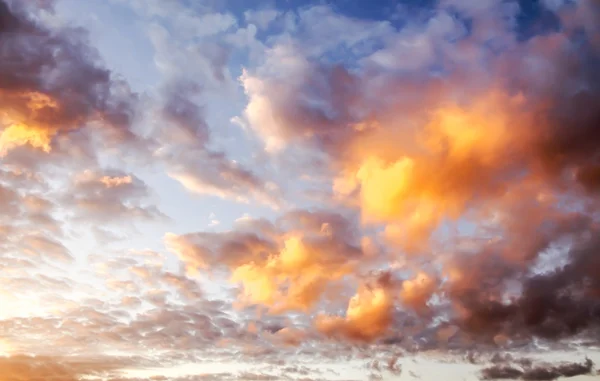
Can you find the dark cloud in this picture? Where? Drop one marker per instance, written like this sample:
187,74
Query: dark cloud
546,372
52,84
589,177
501,372
576,369
555,304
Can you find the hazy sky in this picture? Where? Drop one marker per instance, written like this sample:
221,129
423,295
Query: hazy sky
299,190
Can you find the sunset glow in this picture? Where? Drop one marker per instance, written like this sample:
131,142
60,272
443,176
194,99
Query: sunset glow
299,190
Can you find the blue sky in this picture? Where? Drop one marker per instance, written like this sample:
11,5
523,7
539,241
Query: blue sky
299,190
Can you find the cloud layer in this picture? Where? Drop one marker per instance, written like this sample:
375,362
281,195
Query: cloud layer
423,185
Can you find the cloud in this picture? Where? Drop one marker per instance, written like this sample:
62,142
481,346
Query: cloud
369,316
466,132
185,149
457,159
501,372
212,173
416,292
184,115
284,267
22,367
261,18
110,195
537,372
554,304
279,112
40,245
418,46
61,101
52,84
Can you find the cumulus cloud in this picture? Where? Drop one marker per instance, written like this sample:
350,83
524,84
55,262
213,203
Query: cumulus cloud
278,110
369,315
287,266
261,18
52,84
505,141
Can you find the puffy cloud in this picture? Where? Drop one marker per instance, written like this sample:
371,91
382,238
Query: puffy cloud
505,143
52,84
278,110
369,315
110,195
416,292
554,304
285,267
297,264
460,164
417,47
261,18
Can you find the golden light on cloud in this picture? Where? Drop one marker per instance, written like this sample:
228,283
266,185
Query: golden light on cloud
293,279
480,131
115,181
416,292
17,135
408,190
23,126
368,316
449,165
38,101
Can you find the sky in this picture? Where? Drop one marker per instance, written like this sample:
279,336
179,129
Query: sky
296,190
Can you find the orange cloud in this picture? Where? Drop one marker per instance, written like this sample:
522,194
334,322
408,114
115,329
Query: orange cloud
23,124
17,135
293,279
368,317
291,266
416,292
115,181
462,154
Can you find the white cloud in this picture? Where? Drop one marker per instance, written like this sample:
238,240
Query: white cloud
261,18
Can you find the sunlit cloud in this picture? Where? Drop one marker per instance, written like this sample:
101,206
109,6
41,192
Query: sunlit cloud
299,191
